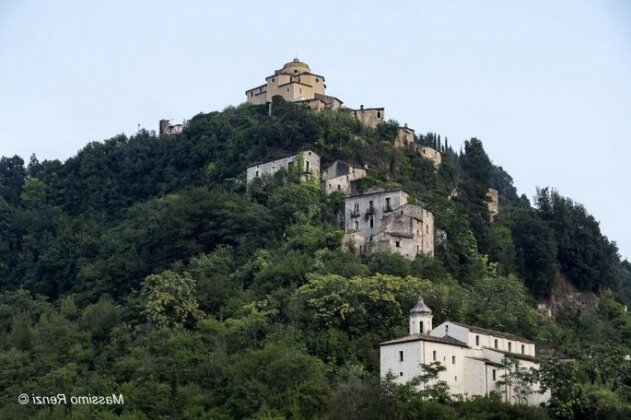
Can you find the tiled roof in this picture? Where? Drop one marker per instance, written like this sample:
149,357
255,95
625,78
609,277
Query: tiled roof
511,354
424,337
487,361
494,333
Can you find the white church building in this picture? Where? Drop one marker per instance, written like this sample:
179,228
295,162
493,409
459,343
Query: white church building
472,356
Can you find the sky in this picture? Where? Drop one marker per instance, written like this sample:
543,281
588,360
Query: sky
545,85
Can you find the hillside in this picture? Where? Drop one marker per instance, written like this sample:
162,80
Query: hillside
144,265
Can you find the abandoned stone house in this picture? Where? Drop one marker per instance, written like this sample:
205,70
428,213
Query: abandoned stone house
310,166
381,220
472,356
370,117
493,198
167,129
339,176
405,137
431,154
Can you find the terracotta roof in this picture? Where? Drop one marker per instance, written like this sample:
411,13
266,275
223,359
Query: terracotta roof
296,74
511,354
494,333
487,361
424,337
254,88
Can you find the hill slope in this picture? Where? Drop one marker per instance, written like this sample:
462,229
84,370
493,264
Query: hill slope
143,266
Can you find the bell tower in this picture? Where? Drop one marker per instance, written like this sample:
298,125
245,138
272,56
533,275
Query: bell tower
420,318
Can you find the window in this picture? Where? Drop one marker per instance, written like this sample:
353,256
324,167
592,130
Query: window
387,203
427,229
493,374
257,174
339,187
400,373
455,379
356,225
378,114
272,80
287,89
510,346
523,349
251,94
356,207
307,165
300,90
400,356
398,244
453,360
434,355
477,340
496,343
317,80
420,327
371,222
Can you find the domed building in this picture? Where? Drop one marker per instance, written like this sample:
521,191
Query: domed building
295,83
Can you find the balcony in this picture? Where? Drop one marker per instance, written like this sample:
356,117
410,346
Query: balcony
371,210
387,209
354,213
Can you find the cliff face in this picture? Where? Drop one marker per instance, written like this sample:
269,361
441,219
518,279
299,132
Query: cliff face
566,296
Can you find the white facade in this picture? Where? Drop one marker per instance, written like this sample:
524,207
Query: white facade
310,169
472,357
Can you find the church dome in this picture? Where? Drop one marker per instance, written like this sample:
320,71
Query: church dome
295,66
420,307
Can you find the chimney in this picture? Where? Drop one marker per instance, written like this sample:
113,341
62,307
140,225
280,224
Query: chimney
405,125
361,107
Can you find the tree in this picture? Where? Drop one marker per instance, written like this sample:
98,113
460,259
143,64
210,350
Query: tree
587,258
170,299
12,174
516,380
535,249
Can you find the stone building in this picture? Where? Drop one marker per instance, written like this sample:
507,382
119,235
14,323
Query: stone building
167,129
471,355
431,154
405,137
408,230
295,83
340,176
310,166
371,117
493,198
381,220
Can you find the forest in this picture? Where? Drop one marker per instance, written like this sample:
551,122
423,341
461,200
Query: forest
145,266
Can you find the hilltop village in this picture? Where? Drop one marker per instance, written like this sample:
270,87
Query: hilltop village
391,220
375,220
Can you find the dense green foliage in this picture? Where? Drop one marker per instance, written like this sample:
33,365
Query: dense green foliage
143,266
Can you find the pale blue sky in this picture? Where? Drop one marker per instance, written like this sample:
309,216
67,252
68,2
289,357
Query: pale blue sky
546,85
